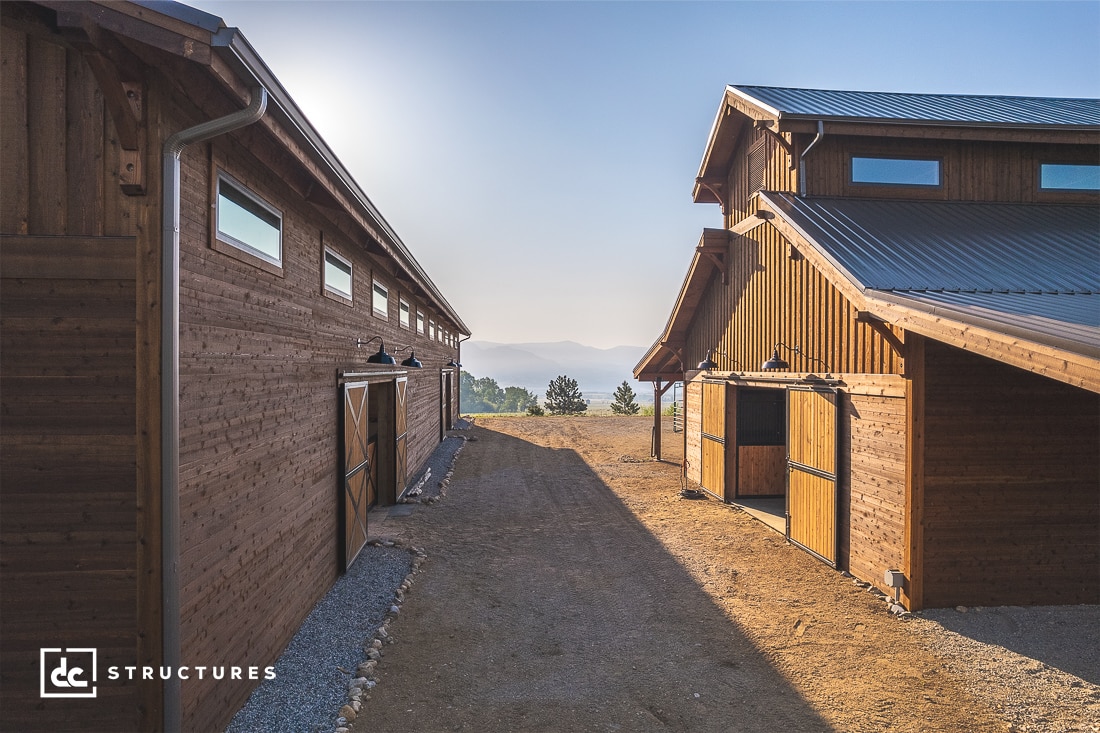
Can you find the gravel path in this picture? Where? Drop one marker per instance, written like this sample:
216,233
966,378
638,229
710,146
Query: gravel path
312,674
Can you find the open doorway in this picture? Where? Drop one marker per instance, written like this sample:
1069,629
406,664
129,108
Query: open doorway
760,483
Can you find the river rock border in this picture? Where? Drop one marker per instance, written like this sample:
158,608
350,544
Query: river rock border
364,679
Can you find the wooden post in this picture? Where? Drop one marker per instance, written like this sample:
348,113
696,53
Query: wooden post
656,447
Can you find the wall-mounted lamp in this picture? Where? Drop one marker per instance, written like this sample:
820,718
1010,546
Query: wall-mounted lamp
381,357
710,364
454,364
776,362
412,361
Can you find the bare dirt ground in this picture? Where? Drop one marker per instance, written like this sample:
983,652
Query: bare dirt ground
570,588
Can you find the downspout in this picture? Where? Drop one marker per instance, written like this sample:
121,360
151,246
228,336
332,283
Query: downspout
170,384
802,158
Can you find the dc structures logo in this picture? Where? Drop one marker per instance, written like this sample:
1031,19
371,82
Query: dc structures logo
67,672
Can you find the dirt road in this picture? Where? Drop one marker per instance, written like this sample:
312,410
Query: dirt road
569,588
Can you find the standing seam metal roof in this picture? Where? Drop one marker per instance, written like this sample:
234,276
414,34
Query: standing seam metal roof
937,108
954,246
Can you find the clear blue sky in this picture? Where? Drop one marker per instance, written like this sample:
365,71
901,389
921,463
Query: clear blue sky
538,157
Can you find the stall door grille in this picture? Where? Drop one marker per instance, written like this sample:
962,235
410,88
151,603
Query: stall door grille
714,438
812,416
359,489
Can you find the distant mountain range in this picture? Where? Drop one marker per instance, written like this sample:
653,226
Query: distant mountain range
532,366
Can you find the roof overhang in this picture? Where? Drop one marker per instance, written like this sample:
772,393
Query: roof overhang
663,360
225,55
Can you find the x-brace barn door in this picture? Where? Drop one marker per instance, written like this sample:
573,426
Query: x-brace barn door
359,489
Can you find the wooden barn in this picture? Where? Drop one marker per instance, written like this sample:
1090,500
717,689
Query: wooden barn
216,355
895,336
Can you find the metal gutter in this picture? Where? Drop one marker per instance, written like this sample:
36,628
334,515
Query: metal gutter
802,158
170,383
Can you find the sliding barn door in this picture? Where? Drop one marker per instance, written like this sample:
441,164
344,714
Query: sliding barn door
401,430
812,416
359,490
713,438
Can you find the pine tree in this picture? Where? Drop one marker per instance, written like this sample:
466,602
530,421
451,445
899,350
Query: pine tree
624,403
563,397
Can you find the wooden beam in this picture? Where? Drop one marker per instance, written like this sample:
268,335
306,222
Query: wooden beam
765,126
1079,370
913,543
880,327
749,223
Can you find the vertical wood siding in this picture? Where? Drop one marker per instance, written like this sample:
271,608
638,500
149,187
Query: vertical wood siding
1011,492
771,297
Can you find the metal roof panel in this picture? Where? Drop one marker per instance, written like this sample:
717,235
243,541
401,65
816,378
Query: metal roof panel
953,246
956,109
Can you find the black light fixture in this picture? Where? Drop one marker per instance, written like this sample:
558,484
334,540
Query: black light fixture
381,357
412,361
775,362
454,364
708,363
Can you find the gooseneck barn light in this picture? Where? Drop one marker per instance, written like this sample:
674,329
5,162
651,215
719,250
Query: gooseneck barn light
776,362
710,364
381,357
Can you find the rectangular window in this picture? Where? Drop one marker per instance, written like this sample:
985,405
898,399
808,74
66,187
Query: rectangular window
380,300
337,274
403,309
247,222
431,330
896,171
419,322
1069,177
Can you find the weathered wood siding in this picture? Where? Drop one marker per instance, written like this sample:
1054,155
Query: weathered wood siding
67,512
771,297
259,414
69,383
1011,497
261,350
872,486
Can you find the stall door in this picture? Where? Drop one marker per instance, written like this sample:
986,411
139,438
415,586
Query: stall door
812,416
358,483
714,438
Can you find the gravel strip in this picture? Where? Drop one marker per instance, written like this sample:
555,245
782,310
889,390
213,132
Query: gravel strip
429,482
313,673
310,684
1038,666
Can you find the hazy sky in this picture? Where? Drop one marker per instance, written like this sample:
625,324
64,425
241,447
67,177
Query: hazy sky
538,157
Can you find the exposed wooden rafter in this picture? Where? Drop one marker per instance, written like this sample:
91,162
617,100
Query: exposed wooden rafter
765,126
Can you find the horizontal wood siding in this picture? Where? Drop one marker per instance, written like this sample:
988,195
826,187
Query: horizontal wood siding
872,486
971,171
771,297
259,422
1012,485
67,511
693,405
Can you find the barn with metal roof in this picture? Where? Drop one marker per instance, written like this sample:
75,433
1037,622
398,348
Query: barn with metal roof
893,342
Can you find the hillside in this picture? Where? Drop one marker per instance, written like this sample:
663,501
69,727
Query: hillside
533,365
